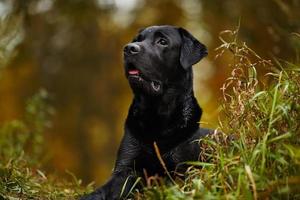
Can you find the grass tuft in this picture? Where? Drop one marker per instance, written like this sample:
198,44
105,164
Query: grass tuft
21,145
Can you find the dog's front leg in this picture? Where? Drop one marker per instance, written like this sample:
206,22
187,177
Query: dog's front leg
116,188
123,176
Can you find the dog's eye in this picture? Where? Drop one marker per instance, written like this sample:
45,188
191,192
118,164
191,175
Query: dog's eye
162,42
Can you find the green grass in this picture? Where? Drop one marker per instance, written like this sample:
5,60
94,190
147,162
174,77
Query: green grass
254,154
21,154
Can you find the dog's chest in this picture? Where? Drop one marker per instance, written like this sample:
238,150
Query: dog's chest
154,162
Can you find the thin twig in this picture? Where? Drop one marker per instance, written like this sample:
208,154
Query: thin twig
163,163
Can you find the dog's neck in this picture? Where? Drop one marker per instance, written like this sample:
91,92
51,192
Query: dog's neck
176,113
175,95
165,105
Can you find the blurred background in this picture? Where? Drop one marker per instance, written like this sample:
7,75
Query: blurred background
73,49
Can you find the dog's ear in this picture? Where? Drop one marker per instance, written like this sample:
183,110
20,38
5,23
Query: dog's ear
192,51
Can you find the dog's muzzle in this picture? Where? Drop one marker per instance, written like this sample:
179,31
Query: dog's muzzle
140,84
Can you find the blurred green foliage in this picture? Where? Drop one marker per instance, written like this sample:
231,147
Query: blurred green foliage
10,36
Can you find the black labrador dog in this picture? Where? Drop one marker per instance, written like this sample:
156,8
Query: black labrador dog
158,66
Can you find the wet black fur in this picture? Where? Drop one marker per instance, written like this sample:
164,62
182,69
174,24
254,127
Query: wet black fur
169,116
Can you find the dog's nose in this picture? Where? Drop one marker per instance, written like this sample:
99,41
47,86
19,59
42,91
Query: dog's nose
131,49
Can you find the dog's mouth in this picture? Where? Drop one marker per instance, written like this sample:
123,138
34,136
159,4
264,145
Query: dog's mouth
133,74
132,70
140,83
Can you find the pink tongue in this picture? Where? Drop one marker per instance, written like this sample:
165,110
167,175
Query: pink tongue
133,72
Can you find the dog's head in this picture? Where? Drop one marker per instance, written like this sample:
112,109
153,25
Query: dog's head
160,55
